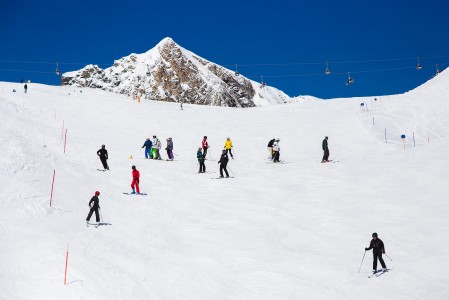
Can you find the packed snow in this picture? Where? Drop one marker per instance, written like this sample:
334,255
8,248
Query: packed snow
295,230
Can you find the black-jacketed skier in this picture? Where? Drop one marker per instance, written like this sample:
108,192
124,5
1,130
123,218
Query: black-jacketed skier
276,151
94,205
103,154
378,249
25,88
270,147
223,163
326,150
200,157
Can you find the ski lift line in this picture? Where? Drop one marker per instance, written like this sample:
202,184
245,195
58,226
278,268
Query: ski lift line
28,71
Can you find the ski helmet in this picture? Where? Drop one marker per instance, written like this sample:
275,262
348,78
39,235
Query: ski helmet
374,235
133,167
103,146
205,136
97,193
199,148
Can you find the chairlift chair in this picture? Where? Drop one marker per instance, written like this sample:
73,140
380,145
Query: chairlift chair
418,65
350,80
327,71
236,70
57,69
263,84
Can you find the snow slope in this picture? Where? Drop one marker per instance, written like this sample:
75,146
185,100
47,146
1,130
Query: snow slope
288,231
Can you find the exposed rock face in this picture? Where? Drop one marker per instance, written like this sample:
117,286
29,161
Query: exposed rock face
170,73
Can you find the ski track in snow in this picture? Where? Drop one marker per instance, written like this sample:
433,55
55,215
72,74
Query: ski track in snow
287,231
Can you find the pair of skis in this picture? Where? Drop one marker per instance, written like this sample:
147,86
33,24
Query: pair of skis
379,272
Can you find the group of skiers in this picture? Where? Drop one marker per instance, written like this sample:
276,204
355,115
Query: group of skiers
274,150
152,148
223,161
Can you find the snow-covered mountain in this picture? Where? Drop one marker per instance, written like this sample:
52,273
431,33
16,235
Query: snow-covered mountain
171,73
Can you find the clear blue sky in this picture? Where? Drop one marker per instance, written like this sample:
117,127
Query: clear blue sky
237,32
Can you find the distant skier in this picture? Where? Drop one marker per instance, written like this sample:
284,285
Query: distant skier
148,145
205,146
170,148
228,147
158,148
326,151
223,163
136,178
103,154
270,147
378,248
181,106
153,153
94,205
200,157
25,87
276,151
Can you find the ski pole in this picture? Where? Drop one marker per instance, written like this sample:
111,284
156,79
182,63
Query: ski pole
362,261
388,256
99,211
231,171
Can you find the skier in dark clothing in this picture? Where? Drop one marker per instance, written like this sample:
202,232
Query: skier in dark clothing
223,163
326,151
200,157
103,154
170,148
270,147
94,204
378,249
148,145
25,87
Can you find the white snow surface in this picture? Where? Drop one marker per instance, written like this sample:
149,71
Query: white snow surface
276,231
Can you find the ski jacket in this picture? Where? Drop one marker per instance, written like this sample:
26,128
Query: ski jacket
223,159
377,245
200,156
148,144
325,145
276,147
228,144
94,202
155,140
169,145
270,143
204,144
103,153
136,174
158,145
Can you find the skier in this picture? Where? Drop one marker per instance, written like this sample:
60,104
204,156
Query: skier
228,147
270,147
25,87
94,206
326,151
153,153
223,163
135,182
158,147
205,146
378,248
200,157
276,151
181,106
148,145
103,154
170,148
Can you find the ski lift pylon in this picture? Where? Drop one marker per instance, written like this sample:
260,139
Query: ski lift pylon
57,69
437,70
418,65
350,80
263,84
327,71
237,70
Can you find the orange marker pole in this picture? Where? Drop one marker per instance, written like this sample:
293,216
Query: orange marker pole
66,263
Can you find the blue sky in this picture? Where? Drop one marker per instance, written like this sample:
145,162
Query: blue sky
266,38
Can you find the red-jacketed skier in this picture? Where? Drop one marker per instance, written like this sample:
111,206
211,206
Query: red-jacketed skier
378,249
205,146
135,182
94,205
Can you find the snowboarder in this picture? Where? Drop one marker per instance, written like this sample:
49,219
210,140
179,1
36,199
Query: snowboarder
153,153
223,163
25,87
270,147
378,249
135,182
228,147
326,151
94,205
205,146
103,154
170,148
148,145
200,157
276,150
